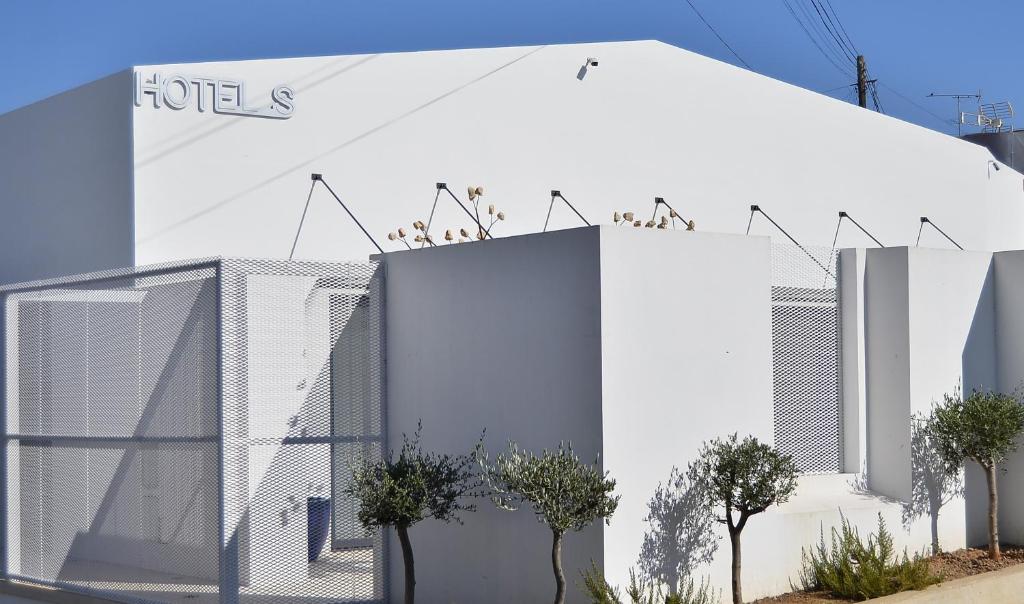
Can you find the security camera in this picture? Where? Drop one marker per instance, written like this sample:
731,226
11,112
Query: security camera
592,61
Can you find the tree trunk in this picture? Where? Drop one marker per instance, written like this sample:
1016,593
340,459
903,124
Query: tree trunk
993,513
410,567
935,530
556,563
737,589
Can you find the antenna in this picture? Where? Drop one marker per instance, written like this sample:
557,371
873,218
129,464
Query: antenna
960,115
995,117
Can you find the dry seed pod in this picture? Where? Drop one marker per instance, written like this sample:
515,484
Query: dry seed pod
464,232
461,240
628,216
691,226
490,209
418,239
673,214
448,235
401,232
392,236
472,193
637,223
663,226
501,215
650,224
617,217
479,191
480,234
664,219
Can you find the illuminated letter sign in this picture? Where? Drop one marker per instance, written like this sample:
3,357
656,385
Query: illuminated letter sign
228,96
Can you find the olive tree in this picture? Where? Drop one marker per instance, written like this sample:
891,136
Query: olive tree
565,493
743,478
983,428
415,486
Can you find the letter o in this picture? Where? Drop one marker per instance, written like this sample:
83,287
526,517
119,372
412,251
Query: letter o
179,102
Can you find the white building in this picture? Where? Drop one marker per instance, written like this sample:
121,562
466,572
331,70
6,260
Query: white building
637,345
118,183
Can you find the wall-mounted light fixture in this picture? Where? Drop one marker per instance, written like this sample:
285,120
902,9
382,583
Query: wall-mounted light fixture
582,73
991,164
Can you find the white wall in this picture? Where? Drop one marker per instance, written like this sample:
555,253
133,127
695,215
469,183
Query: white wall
853,373
384,128
887,354
930,328
503,335
1009,333
637,344
686,343
66,183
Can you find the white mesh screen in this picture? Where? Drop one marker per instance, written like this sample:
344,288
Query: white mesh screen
805,355
170,431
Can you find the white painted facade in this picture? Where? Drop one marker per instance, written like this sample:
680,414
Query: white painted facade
115,183
682,323
635,345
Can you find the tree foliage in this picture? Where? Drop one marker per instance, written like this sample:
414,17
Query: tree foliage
415,486
564,493
743,478
983,428
746,477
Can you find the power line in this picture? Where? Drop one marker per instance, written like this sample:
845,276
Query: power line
833,31
813,40
720,38
842,27
915,104
821,32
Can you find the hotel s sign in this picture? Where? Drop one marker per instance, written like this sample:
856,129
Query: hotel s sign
221,96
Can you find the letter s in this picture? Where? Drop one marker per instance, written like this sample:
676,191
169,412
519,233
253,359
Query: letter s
284,100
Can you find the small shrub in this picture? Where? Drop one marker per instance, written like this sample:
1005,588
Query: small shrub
642,591
860,571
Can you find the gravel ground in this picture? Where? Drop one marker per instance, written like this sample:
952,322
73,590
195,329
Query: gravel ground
950,565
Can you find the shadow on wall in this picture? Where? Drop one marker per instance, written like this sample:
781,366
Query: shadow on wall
931,486
978,362
681,536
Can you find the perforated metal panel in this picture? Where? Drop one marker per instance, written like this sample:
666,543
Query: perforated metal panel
805,356
166,427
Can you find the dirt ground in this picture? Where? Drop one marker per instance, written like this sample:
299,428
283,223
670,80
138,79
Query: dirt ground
949,565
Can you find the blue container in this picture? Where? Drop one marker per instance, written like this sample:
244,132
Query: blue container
318,515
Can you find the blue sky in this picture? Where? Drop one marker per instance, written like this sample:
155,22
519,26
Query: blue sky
913,47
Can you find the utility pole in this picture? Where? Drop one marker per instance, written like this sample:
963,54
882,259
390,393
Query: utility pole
862,82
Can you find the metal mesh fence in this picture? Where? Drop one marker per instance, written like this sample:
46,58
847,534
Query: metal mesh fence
183,432
805,356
